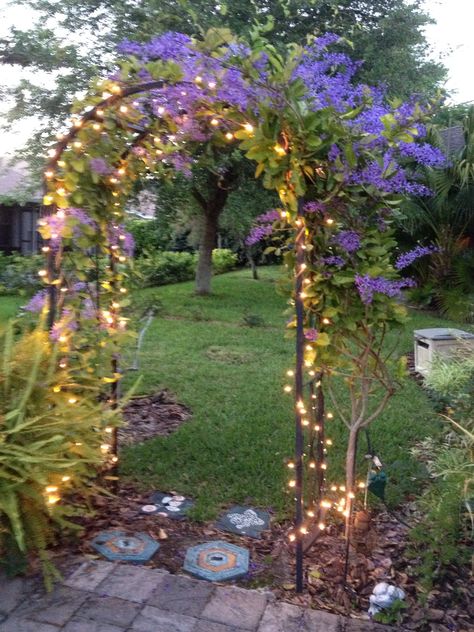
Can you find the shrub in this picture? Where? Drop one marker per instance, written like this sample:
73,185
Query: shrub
441,536
146,235
163,268
48,445
19,274
223,260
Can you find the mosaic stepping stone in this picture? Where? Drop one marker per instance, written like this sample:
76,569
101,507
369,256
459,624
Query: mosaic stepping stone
244,521
119,546
168,505
217,561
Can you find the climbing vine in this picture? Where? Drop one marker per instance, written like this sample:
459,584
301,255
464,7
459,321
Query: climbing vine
338,156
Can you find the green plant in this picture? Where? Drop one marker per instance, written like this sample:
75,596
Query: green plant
442,536
393,613
49,444
223,260
253,320
19,274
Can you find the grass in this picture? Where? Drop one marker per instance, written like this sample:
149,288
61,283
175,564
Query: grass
231,376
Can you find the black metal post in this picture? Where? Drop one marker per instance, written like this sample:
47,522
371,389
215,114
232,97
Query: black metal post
299,435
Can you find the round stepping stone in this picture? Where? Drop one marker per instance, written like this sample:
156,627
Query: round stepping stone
217,561
244,521
168,505
122,547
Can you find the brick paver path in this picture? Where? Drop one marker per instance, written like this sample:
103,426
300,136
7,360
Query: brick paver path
105,597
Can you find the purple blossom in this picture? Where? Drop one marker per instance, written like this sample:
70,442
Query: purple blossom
311,334
100,166
334,261
407,258
315,207
119,236
423,153
36,302
65,325
269,217
367,286
348,240
258,233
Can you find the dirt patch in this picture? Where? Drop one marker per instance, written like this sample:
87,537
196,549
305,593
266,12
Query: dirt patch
228,356
150,416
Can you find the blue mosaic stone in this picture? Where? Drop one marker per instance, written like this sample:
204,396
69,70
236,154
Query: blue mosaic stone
169,505
118,546
244,521
217,561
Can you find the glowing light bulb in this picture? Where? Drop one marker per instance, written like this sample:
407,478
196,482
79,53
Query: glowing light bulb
330,415
48,174
292,537
290,373
105,447
77,144
291,465
77,123
62,364
116,89
114,459
321,526
329,221
328,441
305,422
62,339
312,465
326,321
42,273
72,400
248,127
361,485
51,153
287,388
310,514
53,499
229,136
334,488
100,112
123,109
97,127
317,428
65,479
324,466
326,504
279,150
214,122
342,488
161,110
51,488
198,79
61,191
292,483
45,249
351,495
211,85
303,530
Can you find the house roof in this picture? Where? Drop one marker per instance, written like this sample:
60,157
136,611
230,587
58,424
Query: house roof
17,184
452,139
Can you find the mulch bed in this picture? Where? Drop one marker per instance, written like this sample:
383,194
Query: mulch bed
378,552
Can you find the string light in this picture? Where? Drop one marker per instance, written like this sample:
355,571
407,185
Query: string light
123,109
310,514
278,149
361,485
49,174
248,127
65,479
291,465
42,273
330,415
116,89
72,400
198,79
61,163
105,447
328,441
292,483
97,127
114,459
292,537
326,504
321,526
329,221
51,153
229,136
212,85
303,530
312,465
161,110
214,122
77,144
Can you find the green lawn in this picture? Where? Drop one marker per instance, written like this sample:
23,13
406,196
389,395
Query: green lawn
231,376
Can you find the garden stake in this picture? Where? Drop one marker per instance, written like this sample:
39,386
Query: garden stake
299,438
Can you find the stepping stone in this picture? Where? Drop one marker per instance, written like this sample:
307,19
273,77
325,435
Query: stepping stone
118,546
168,505
244,521
217,561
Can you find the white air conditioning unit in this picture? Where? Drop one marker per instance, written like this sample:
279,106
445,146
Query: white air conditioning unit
440,342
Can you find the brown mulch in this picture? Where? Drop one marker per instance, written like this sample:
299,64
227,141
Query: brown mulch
153,415
378,551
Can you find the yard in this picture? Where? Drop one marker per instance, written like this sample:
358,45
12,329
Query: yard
231,376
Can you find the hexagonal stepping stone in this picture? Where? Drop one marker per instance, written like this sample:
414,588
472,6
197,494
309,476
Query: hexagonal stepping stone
168,505
217,561
244,521
122,547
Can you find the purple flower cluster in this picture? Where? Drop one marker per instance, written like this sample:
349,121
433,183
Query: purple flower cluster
315,207
119,236
407,258
100,166
258,233
367,286
334,260
36,302
423,153
65,325
311,334
348,240
273,215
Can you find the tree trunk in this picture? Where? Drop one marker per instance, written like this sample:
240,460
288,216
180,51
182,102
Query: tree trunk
350,475
253,265
206,246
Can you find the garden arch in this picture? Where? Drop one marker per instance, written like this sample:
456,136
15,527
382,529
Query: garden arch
146,118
